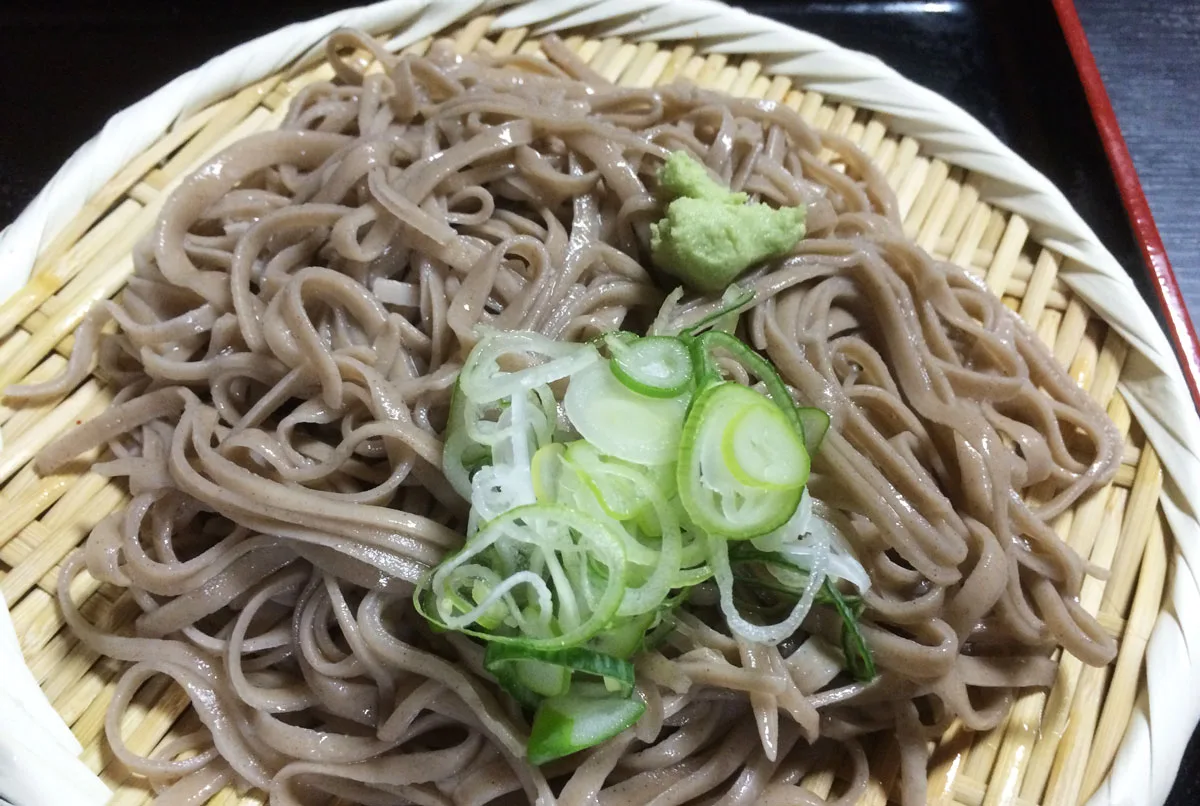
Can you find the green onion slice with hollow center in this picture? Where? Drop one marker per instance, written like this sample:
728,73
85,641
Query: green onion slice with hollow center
711,493
762,449
654,366
484,380
707,372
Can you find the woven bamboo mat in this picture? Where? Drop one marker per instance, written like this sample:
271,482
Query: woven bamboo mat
1054,748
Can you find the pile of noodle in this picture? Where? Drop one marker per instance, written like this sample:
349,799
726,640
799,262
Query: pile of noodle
285,354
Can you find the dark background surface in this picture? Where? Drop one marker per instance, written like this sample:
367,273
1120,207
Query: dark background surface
67,65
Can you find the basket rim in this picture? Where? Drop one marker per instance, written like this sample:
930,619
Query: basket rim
1167,708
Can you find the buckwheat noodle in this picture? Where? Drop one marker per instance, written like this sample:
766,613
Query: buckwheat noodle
285,353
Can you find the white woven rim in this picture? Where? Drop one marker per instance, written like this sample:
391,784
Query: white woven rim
1168,709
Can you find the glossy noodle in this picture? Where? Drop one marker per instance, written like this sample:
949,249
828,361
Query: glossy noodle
285,354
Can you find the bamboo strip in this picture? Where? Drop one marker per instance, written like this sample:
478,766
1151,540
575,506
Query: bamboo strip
885,154
910,188
885,771
68,673
1122,690
97,207
87,401
945,764
36,618
1005,260
88,503
1039,285
50,280
957,222
1067,776
76,701
19,419
1143,500
25,505
935,179
939,215
972,234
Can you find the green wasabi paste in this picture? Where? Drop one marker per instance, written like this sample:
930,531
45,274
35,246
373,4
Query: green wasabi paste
710,235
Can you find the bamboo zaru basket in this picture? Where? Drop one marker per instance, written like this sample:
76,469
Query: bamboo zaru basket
1056,747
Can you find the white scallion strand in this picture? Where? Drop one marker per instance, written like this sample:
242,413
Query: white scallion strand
773,633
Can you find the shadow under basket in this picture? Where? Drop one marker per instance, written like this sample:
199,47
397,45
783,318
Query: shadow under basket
1054,748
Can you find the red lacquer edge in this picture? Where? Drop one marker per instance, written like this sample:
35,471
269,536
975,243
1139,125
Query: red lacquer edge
1136,206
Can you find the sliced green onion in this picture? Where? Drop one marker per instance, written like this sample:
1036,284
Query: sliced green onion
761,633
492,618
518,541
665,571
459,448
762,449
624,491
647,523
735,300
815,423
575,659
712,496
516,686
781,574
583,718
539,678
689,577
621,422
484,381
707,371
859,659
623,639
621,495
530,675
577,551
546,469
655,366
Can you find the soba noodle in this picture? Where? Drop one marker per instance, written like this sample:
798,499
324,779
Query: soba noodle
285,353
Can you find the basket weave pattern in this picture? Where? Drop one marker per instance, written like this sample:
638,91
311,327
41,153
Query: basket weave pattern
1055,747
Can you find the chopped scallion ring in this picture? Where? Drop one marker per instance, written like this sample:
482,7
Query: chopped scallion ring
655,366
762,449
710,492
